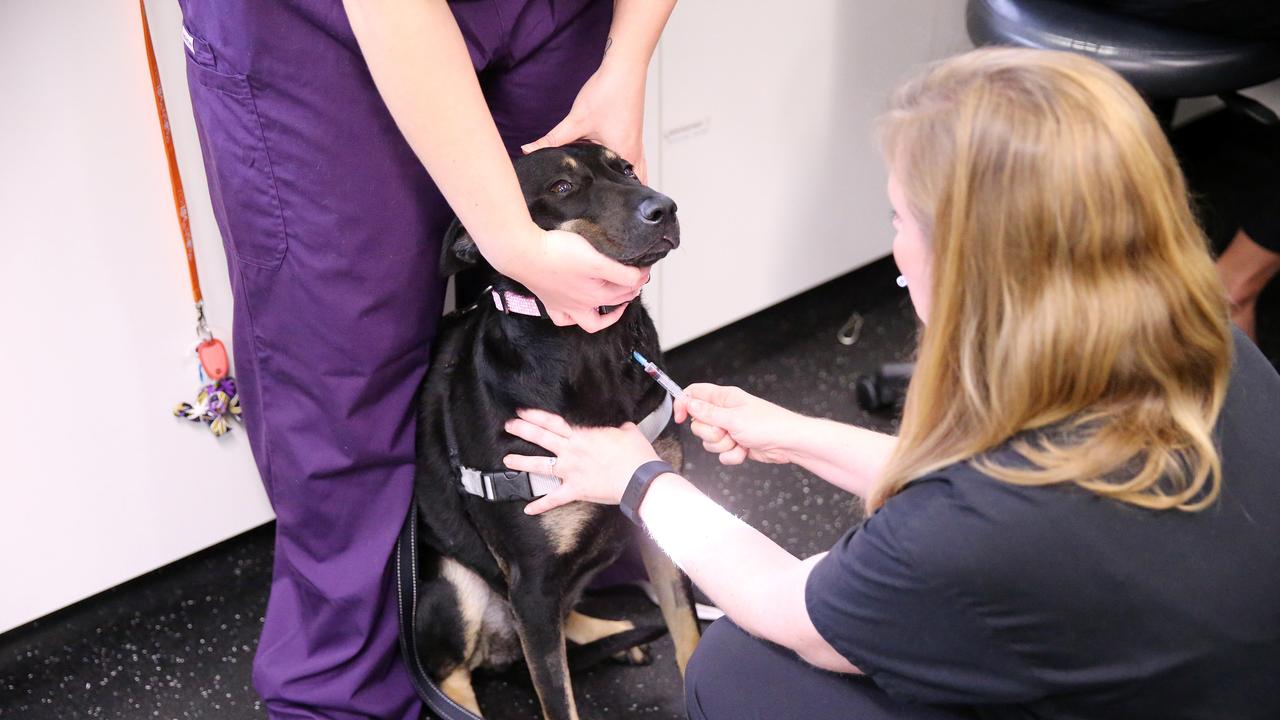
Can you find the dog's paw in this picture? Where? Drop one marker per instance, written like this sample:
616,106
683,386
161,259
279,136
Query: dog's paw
638,655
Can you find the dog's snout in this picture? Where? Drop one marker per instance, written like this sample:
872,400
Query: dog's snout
654,210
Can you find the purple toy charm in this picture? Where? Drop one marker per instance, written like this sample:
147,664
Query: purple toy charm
217,404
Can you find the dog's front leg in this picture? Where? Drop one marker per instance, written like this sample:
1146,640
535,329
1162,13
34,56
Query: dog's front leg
536,605
675,599
674,591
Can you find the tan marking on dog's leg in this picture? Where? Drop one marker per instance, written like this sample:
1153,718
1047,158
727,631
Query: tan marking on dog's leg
670,450
568,688
564,525
458,687
675,596
637,655
473,596
583,629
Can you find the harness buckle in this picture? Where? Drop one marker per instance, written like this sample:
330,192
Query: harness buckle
508,485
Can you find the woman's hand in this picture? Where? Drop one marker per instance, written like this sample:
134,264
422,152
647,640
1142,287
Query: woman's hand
593,464
737,425
609,110
568,275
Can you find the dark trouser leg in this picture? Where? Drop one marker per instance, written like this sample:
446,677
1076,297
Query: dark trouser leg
332,229
332,232
734,676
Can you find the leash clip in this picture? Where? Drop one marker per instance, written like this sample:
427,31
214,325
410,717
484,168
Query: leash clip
202,325
851,330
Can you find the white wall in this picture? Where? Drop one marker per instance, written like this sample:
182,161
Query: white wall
764,140
98,482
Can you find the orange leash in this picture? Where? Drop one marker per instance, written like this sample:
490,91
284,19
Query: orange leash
175,179
217,402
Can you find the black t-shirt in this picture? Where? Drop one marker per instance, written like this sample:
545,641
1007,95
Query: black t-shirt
1056,603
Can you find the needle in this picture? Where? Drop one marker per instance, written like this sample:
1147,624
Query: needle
658,376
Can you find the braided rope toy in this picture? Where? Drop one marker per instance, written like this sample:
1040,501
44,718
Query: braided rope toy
217,404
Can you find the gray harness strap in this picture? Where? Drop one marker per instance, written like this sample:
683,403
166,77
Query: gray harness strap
518,485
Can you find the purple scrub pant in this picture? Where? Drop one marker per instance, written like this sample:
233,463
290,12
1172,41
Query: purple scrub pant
332,232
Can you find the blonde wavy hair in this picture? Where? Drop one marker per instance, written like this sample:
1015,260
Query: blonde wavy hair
1076,315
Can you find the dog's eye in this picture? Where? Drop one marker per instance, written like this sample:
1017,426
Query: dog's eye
630,172
560,187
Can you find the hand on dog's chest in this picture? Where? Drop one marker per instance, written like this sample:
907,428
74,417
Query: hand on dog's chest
510,485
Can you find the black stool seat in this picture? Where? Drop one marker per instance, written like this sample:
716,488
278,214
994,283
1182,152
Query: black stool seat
1160,61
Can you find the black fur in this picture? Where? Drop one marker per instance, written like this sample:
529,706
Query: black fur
485,366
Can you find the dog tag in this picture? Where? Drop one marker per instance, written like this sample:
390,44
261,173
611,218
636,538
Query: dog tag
213,358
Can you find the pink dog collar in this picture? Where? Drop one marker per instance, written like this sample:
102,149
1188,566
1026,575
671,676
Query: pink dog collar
510,302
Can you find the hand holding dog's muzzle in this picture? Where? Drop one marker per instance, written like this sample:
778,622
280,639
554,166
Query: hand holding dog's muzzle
573,280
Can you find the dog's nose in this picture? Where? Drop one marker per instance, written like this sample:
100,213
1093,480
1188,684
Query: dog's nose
654,210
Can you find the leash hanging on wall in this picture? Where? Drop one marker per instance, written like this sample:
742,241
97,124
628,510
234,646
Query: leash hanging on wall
217,403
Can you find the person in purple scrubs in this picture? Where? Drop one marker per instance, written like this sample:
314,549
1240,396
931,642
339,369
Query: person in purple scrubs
339,140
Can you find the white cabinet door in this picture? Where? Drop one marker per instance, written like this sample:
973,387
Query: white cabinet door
764,119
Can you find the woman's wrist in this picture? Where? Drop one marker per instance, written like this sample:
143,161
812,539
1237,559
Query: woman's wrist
795,435
660,484
634,33
625,62
510,248
626,73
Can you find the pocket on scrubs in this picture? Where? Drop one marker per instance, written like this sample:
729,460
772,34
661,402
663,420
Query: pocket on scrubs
238,165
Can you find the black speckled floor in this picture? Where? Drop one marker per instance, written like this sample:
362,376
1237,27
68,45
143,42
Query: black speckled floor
179,642
176,643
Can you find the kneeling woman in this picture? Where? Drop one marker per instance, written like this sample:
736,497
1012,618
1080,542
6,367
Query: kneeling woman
1080,517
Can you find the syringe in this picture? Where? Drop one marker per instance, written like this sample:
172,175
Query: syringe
658,376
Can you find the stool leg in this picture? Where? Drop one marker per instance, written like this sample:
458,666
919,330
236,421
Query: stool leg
1163,108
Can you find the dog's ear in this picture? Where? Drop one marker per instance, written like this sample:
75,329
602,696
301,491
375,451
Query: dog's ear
458,251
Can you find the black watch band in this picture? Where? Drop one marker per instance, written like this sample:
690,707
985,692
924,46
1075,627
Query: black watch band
639,485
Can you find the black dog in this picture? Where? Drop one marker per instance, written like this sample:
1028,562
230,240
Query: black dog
499,584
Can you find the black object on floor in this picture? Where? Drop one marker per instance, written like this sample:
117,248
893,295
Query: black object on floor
885,389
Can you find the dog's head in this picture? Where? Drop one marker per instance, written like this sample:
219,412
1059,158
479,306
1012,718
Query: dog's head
590,190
